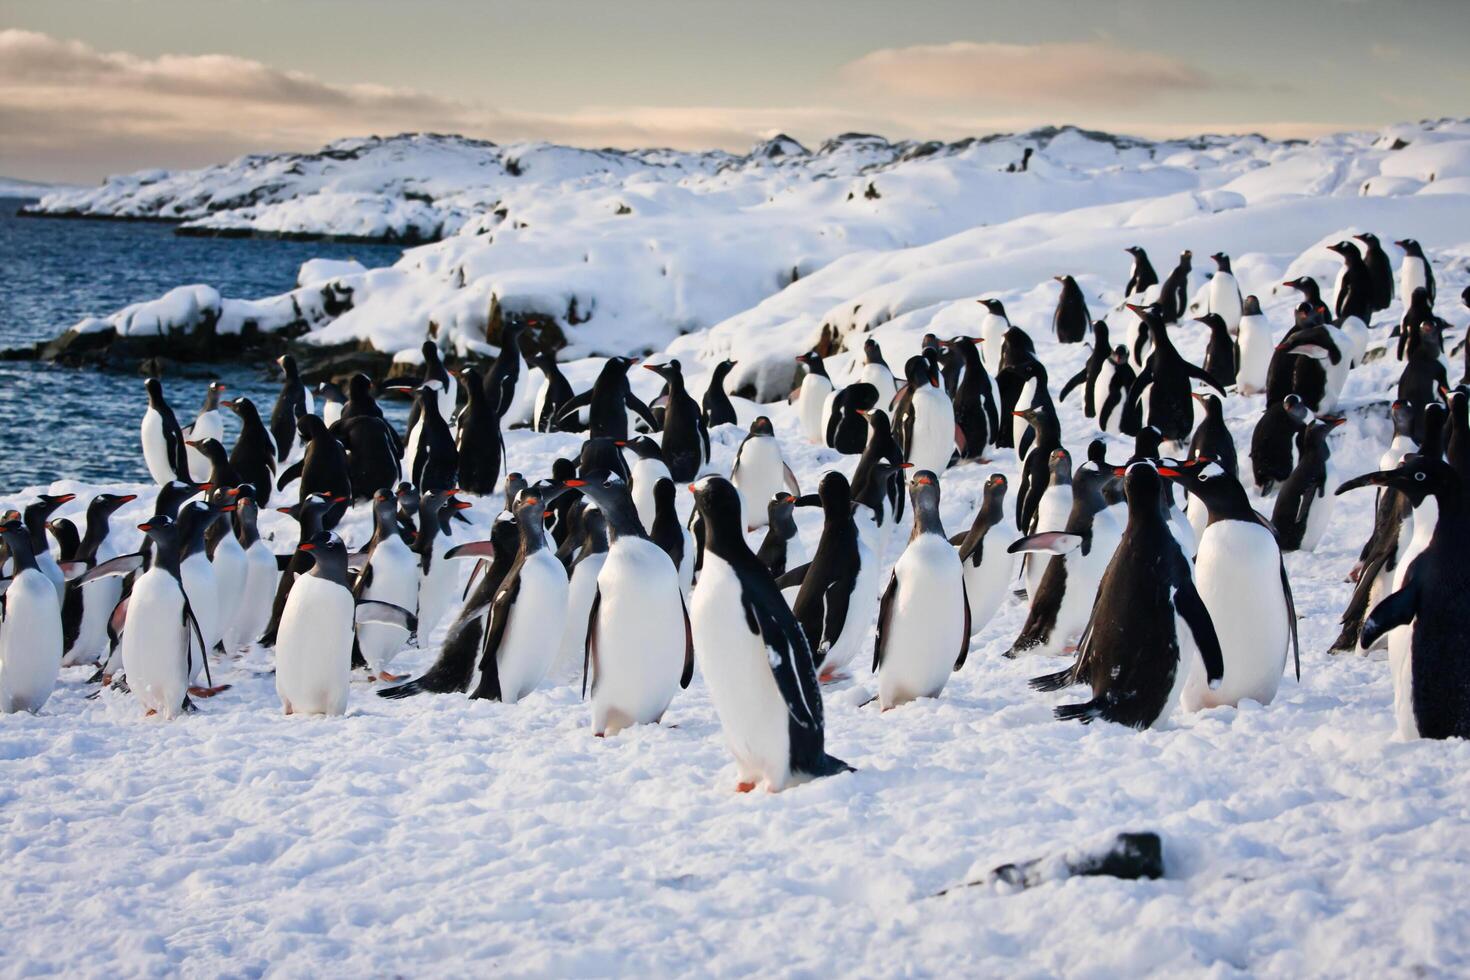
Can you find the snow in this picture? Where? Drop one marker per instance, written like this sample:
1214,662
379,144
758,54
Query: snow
438,836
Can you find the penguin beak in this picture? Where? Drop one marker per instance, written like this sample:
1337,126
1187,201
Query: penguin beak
308,546
227,508
1333,420
127,498
1197,397
574,484
905,466
1169,471
462,505
1382,478
148,527
692,488
65,498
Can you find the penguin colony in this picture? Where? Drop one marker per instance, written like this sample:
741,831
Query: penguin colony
1155,573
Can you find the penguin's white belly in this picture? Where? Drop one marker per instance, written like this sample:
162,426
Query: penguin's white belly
1084,576
1024,400
155,448
395,580
155,646
1411,277
1238,575
737,667
857,634
882,379
99,598
932,443
207,426
437,589
1401,669
1198,515
874,535
51,569
1100,387
1183,532
1190,663
993,335
686,566
829,405
532,635
1320,512
645,475
1425,517
1256,348
987,584
813,404
638,655
1225,299
1356,332
411,448
760,476
30,643
1051,515
229,572
926,623
253,611
580,593
539,406
314,648
202,589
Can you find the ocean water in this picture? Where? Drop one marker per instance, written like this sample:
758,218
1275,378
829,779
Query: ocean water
66,423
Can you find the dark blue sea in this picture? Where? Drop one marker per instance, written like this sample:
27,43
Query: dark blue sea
66,423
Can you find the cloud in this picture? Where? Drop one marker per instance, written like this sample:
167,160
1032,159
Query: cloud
1083,73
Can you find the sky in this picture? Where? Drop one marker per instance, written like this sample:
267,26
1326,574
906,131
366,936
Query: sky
94,87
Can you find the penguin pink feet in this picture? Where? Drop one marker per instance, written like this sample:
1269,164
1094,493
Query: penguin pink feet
386,677
208,692
745,787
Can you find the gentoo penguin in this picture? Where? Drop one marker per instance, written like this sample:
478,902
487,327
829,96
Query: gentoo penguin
323,467
1020,375
216,468
882,446
1304,507
479,447
715,406
207,425
976,418
1415,271
582,590
1070,321
163,442
1095,378
846,429
754,655
435,370
993,329
1220,352
1254,348
1424,376
1417,312
760,471
1141,275
812,394
262,571
988,567
1354,284
30,633
1148,630
227,557
35,516
781,548
924,617
648,468
1174,294
1052,509
670,534
608,402
839,591
504,373
293,402
1165,382
1035,465
1380,271
925,429
877,373
684,440
373,450
332,398
438,577
1242,581
1311,294
561,512
390,573
360,402
254,455
639,648
429,452
946,359
68,539
310,515
201,584
1212,439
314,647
555,391
1422,617
1113,407
1223,298
1273,442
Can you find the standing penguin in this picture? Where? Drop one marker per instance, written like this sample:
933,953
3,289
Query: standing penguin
670,534
760,472
262,571
201,583
754,656
1149,628
310,515
1254,348
323,467
85,610
846,430
877,373
925,428
993,329
924,617
1380,271
163,442
390,573
649,468
1212,440
812,394
1354,284
1095,378
1174,294
975,416
1070,321
685,440
333,399
1113,408
35,516
988,566
715,405
1415,271
607,403
1051,509
781,548
254,455
503,376
582,590
207,425
1020,375
293,402
1220,353
839,591
1165,381
639,647
1303,508
1141,275
438,577
480,449
372,453
1273,441
30,633
555,391
1035,465
1223,298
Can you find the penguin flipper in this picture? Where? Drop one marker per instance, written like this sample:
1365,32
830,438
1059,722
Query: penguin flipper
1191,608
384,614
472,549
794,576
642,411
834,613
1200,374
121,565
291,472
1296,646
1079,378
790,478
589,645
688,674
500,609
965,643
885,613
1047,542
1397,610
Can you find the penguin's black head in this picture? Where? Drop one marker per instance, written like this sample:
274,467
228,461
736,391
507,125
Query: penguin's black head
878,423
563,469
603,487
996,486
835,493
1296,409
1146,443
288,365
668,370
930,342
919,371
873,352
1119,355
1368,238
1060,462
781,507
1343,248
1134,251
406,491
107,503
154,387
762,427
1148,314
360,386
546,490
16,537
663,493
310,426
994,306
1141,485
1410,247
862,397
431,351
1212,320
328,555
157,524
924,490
330,392
1418,477
1100,333
1185,256
1065,280
1250,306
1210,401
644,448
1222,260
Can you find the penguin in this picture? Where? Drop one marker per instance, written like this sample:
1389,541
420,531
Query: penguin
1304,507
1254,348
293,402
1035,465
1424,375
35,516
438,576
648,468
754,656
639,649
993,329
1380,271
228,559
1423,616
670,534
1141,275
373,453
1114,407
1165,381
323,467
1354,284
314,647
206,425
436,371
1242,581
561,513
555,391
201,584
760,471
1223,298
1174,294
1417,311
504,374
877,373
1457,445
812,394
608,402
924,616
1018,378
262,573
839,591
1070,321
925,429
1052,509
781,548
715,406
1311,293
1220,353
1273,442
30,633
333,399
1415,271
1212,439
975,415
390,573
1322,362
310,515
361,403
431,451
216,463
1149,628
163,442
988,566
1095,378
846,428
254,454
480,449
685,440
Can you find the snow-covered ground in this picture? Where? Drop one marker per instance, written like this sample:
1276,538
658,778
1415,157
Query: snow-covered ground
438,836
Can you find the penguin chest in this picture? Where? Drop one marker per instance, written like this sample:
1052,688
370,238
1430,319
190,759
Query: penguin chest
98,599
925,626
932,442
736,665
882,379
644,477
314,648
814,391
1238,574
395,579
155,448
639,643
436,588
254,609
760,476
580,593
155,646
533,631
862,601
1256,349
30,643
202,588
229,573
1319,507
986,584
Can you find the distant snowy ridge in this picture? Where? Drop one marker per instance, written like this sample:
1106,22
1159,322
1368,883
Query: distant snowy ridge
31,189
